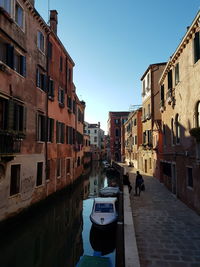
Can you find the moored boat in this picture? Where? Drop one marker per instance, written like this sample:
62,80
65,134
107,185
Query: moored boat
104,212
109,191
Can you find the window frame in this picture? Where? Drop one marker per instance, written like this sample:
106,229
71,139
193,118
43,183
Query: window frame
22,27
40,42
39,177
190,184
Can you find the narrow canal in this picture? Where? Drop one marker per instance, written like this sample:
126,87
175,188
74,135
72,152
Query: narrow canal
58,232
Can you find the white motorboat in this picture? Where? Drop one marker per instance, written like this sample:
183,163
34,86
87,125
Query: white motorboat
109,191
104,212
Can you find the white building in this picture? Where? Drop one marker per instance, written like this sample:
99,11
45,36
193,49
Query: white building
96,139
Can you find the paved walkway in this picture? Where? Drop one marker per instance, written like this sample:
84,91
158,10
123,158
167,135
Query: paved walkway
167,231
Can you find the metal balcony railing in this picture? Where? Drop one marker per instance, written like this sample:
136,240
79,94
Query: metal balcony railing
9,143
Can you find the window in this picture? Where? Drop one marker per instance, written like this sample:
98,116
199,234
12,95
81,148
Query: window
12,116
50,130
41,79
3,52
60,132
162,91
89,131
58,168
69,102
95,139
78,162
41,128
61,97
169,78
40,41
117,121
12,58
172,132
177,74
20,64
196,47
6,4
80,116
51,89
39,173
189,177
177,128
74,106
143,87
19,118
19,15
95,131
3,113
198,114
68,166
15,179
135,122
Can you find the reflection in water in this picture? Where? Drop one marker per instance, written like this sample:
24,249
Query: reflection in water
48,237
103,240
56,233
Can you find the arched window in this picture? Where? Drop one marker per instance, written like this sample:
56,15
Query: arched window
177,128
172,131
198,114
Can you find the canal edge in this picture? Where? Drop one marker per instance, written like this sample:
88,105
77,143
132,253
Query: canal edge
130,245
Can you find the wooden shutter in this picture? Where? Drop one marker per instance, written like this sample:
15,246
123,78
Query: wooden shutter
10,56
57,131
10,115
197,47
24,118
37,78
23,66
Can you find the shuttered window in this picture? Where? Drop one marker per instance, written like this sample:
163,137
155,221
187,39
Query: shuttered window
51,89
41,80
169,78
41,128
39,173
60,131
50,130
15,179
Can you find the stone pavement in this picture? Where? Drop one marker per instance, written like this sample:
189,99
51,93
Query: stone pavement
167,231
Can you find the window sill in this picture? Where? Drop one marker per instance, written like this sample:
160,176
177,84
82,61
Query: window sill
51,98
39,186
15,195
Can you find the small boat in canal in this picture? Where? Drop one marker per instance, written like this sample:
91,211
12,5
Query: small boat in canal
109,191
104,212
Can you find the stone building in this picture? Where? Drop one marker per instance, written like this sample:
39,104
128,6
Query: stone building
150,114
133,137
33,110
180,106
96,140
115,121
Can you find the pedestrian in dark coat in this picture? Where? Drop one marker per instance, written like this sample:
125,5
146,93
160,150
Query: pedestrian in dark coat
139,183
126,181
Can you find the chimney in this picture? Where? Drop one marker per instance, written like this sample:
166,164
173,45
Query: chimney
53,20
99,124
32,2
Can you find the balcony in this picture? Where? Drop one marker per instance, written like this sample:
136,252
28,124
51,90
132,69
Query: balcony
10,143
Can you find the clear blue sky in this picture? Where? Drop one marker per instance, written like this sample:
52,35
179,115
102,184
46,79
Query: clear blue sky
112,43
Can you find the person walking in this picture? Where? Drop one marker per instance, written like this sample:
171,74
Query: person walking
126,181
139,183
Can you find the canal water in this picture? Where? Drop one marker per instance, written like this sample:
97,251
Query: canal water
58,232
